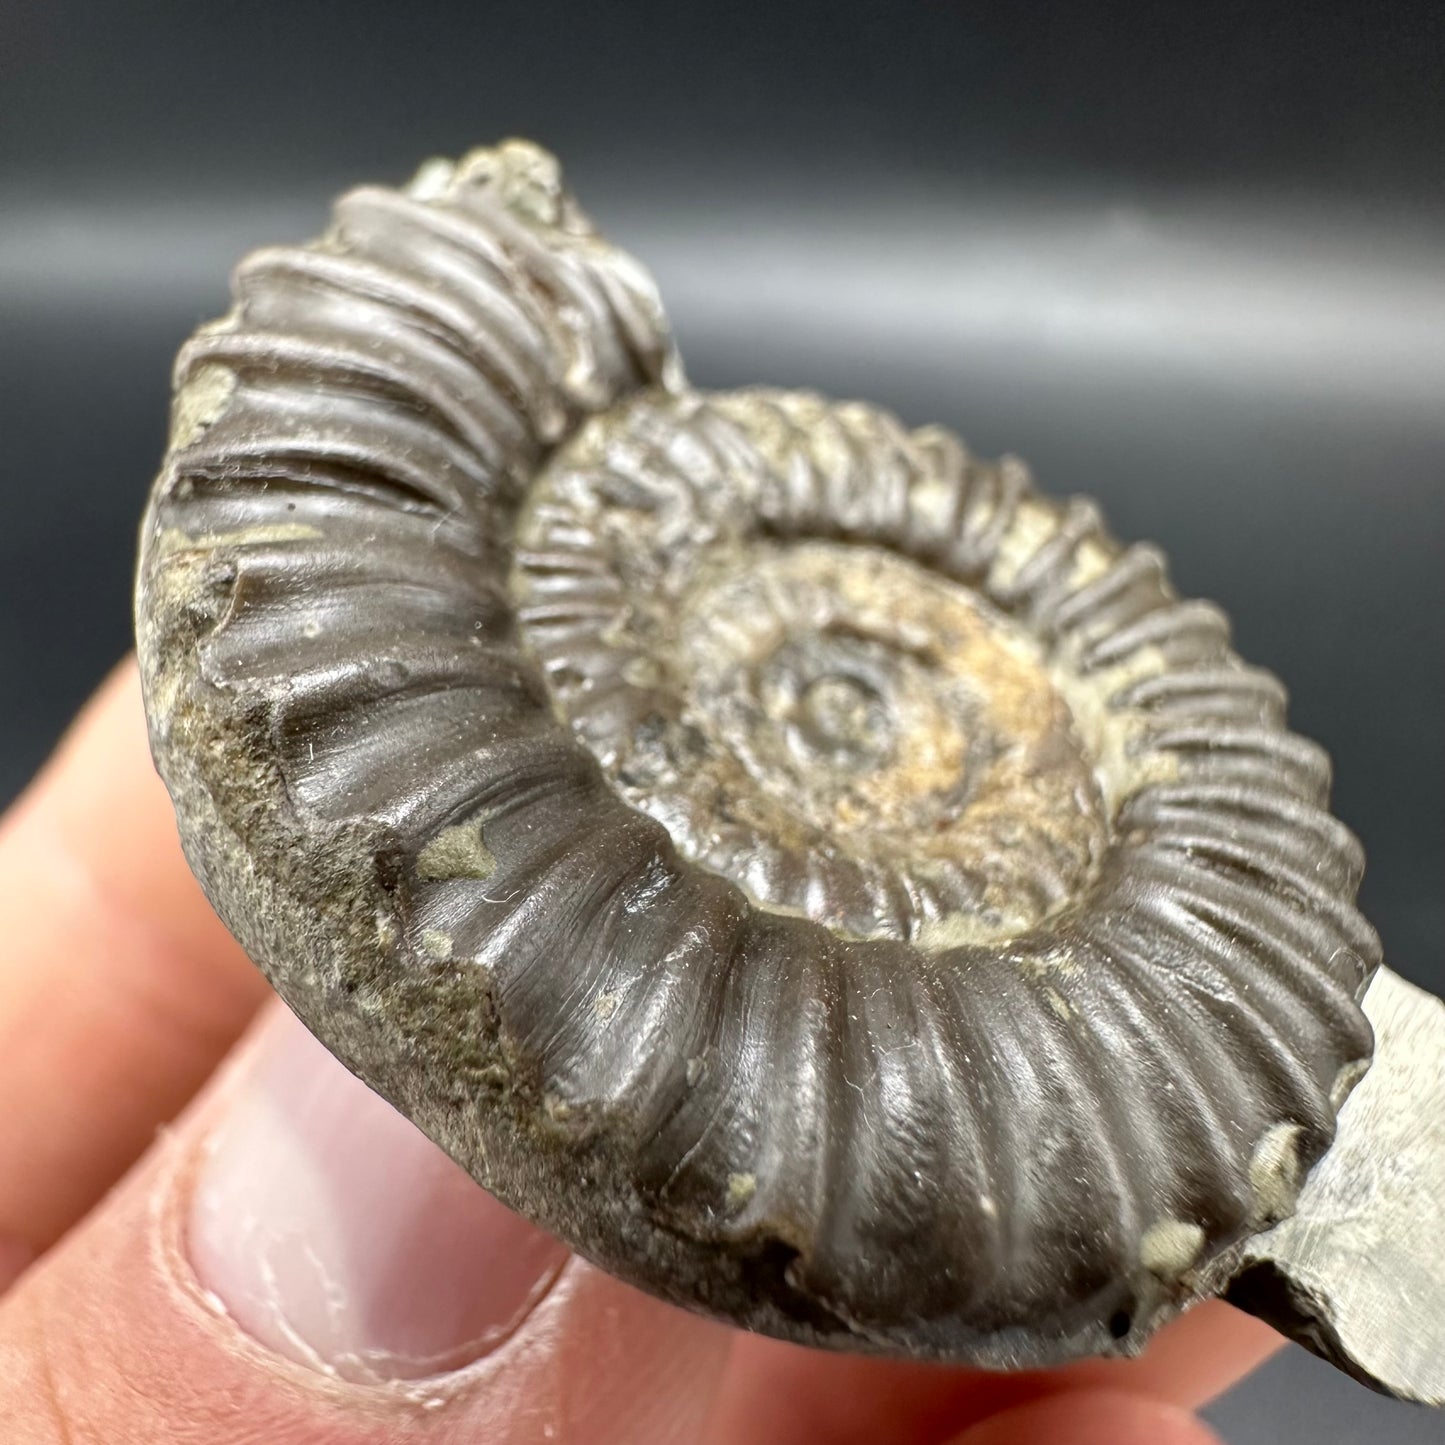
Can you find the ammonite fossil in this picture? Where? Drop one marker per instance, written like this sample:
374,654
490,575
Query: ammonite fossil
826,881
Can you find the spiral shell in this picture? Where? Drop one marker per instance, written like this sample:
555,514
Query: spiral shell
830,884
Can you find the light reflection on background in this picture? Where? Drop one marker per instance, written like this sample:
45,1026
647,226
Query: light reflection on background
1305,302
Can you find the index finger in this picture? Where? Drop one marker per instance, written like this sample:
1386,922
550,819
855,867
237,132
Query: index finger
120,989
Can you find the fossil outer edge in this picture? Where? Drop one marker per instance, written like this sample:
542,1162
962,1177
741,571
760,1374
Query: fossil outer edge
953,1136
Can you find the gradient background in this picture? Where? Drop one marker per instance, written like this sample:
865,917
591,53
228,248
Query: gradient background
1189,259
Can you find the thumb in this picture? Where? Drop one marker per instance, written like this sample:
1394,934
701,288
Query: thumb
296,1263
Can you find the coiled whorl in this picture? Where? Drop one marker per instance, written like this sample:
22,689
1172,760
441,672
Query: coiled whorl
825,881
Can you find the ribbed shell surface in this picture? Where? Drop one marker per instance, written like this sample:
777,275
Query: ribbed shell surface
1010,1147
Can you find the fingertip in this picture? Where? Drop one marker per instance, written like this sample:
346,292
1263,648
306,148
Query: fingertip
776,1392
119,986
1191,1360
1095,1417
98,815
15,1258
106,736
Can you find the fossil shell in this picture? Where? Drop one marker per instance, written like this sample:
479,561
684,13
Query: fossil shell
827,882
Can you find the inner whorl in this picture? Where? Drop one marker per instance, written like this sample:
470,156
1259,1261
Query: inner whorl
810,703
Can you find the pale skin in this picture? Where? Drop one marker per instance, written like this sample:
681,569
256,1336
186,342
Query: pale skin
125,1005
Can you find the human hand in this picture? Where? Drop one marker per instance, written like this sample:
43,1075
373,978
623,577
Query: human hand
292,1262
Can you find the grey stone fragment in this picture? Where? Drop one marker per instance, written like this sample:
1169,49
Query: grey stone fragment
1357,1272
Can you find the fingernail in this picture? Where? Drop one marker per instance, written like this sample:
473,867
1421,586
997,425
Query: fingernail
334,1232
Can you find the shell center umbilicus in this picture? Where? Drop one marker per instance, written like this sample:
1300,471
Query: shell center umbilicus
841,731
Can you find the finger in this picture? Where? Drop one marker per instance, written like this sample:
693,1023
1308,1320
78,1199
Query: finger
1091,1418
119,988
1192,1360
296,1265
775,1393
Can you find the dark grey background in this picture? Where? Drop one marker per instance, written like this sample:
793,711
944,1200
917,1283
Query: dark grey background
1185,258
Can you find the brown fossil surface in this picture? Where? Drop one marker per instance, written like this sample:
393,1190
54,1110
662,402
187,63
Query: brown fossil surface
829,883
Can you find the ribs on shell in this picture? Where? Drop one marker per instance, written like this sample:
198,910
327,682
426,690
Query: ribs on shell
829,883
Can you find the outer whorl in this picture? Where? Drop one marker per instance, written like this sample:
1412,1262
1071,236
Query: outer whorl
828,883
